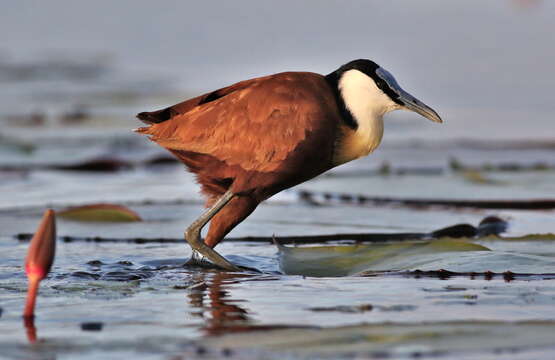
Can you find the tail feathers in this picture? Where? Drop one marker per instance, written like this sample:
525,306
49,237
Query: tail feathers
155,117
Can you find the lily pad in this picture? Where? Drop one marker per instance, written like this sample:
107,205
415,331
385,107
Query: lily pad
353,259
100,213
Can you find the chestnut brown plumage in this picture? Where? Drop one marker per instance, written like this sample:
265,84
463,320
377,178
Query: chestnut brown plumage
40,257
251,140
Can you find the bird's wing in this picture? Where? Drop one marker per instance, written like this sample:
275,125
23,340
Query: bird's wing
156,117
254,124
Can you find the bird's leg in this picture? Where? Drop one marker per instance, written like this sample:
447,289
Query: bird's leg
192,235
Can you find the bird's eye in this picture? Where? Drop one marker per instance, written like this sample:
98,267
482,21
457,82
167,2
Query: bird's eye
382,85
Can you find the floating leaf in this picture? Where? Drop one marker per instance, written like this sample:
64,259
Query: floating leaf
352,259
447,255
101,213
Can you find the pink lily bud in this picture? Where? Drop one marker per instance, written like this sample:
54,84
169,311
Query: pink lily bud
40,257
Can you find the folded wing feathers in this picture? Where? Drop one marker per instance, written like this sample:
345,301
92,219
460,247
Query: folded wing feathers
231,129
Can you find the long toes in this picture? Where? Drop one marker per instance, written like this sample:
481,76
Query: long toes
206,264
200,262
203,262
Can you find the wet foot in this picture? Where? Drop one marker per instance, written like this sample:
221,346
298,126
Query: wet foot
198,260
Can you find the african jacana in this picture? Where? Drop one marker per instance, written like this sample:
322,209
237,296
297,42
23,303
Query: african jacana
251,140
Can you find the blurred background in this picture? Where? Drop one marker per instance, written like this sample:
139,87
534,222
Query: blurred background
74,74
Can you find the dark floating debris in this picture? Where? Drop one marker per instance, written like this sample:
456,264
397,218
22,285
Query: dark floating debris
357,309
457,165
92,326
456,231
67,238
360,200
96,165
446,274
362,308
100,164
490,225
161,160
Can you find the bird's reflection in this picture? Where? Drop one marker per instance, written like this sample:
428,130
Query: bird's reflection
30,329
211,297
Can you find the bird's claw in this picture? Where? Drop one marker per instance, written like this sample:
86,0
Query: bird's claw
199,260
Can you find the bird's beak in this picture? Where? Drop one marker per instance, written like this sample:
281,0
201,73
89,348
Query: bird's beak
413,104
406,100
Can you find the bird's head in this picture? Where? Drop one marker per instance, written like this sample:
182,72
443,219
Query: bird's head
366,89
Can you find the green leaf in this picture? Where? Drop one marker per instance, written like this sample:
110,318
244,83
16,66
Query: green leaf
352,259
100,213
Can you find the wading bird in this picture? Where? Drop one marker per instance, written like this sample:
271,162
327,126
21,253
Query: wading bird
251,140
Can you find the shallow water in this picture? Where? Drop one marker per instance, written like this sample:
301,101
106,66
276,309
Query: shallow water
149,305
129,295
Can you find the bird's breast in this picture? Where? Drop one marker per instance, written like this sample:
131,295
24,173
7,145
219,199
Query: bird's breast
353,144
